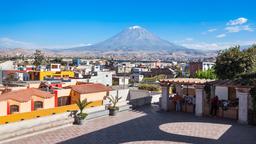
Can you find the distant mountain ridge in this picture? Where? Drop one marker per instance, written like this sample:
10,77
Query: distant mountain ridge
132,42
134,38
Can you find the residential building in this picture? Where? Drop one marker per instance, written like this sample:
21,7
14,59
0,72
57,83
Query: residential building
42,75
104,78
94,93
25,100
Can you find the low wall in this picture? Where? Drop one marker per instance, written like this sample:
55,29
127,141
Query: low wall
147,100
43,112
19,128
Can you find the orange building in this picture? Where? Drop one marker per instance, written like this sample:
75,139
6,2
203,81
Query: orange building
25,100
90,91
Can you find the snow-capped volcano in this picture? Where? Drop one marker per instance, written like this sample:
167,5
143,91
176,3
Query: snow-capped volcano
134,27
134,38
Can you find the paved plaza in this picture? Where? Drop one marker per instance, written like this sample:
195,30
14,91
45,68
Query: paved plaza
149,126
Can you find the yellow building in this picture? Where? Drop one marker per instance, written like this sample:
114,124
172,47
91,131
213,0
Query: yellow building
41,75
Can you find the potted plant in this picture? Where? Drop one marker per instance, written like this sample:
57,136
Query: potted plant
79,118
113,108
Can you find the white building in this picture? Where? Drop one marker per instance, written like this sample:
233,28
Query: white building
207,65
55,67
102,77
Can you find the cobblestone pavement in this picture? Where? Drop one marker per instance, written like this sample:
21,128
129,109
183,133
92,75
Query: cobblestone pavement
148,126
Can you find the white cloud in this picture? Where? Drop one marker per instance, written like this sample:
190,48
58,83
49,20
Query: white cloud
11,43
212,30
221,35
214,45
238,21
234,29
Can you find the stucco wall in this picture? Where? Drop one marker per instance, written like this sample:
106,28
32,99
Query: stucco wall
49,103
3,108
36,98
64,92
93,96
12,102
121,93
25,107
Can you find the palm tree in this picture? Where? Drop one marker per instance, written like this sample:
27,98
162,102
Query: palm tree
82,104
114,101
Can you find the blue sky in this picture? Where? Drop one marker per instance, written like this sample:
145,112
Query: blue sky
64,23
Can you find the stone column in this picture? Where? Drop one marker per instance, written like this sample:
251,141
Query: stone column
199,100
165,97
242,94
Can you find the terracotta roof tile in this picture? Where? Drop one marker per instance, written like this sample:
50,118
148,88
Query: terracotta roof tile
25,95
90,88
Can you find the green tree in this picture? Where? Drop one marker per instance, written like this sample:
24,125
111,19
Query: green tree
233,62
39,58
208,74
251,54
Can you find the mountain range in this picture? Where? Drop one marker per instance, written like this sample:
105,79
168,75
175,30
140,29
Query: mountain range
134,41
134,38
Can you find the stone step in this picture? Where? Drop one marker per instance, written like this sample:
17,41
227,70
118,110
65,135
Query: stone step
34,129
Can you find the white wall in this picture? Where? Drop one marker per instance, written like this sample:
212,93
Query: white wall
103,78
49,103
221,92
25,107
3,108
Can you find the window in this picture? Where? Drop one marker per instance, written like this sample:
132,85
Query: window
14,109
66,100
38,105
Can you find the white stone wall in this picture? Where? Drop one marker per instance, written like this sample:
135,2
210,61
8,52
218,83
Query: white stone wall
243,106
199,102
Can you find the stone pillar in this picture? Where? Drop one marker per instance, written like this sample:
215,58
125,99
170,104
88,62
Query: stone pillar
199,100
242,94
165,98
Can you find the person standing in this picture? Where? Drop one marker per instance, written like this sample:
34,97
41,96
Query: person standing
214,105
194,103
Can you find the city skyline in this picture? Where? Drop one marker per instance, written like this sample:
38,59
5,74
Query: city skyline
62,24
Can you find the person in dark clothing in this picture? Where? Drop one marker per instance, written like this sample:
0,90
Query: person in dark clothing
214,105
